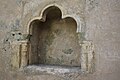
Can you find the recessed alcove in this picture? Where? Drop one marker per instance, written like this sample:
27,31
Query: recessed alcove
54,41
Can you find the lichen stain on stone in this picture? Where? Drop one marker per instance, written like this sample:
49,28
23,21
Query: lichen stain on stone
67,51
91,4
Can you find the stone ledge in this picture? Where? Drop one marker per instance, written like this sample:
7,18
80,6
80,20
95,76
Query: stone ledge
50,69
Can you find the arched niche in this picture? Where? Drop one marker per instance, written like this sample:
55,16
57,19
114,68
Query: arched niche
54,41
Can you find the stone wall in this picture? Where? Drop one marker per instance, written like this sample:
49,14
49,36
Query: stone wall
100,23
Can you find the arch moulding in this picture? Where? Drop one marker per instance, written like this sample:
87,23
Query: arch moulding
42,17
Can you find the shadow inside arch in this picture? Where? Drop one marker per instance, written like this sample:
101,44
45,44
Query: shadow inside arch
54,41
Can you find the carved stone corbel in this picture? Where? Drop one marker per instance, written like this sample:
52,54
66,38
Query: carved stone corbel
87,56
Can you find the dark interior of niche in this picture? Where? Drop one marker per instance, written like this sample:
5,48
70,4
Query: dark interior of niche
54,42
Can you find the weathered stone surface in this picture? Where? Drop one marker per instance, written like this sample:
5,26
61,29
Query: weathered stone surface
102,27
